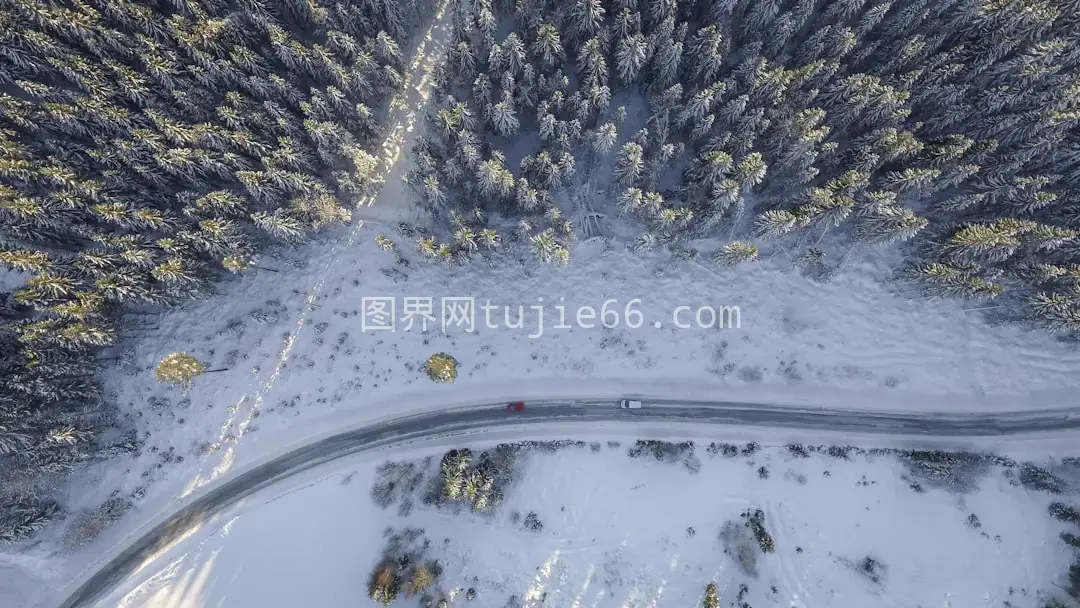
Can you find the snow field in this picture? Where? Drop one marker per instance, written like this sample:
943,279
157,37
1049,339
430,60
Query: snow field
796,337
637,514
615,533
154,509
292,363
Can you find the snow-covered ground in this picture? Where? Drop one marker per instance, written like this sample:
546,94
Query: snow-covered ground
617,531
298,359
296,355
295,348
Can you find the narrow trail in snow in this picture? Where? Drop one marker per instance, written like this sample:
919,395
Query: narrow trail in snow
186,520
404,110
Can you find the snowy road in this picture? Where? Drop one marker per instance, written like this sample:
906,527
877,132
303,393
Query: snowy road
485,416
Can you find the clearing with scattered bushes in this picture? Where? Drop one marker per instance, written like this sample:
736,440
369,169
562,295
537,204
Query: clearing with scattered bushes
641,522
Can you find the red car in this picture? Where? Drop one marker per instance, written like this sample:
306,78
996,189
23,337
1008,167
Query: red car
516,406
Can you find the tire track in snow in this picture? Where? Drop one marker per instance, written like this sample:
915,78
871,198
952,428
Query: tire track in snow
212,500
790,580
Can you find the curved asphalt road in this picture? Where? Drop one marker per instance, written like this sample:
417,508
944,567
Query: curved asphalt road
434,423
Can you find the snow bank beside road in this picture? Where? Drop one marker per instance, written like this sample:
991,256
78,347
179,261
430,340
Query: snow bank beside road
612,535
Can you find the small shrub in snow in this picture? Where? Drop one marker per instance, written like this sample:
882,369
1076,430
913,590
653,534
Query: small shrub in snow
384,243
1071,539
1065,513
755,520
532,522
956,471
403,568
179,368
726,449
872,569
1037,478
798,450
739,599
385,584
420,579
454,465
868,567
712,598
662,451
441,367
479,489
841,452
474,485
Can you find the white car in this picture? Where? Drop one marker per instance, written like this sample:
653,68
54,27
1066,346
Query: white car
630,404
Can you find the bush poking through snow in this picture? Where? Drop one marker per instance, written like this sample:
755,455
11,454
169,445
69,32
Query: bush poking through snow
739,599
460,483
712,598
755,520
1071,539
1039,479
1062,512
441,367
478,486
955,471
869,567
665,451
403,569
384,243
454,465
872,568
532,522
179,368
420,580
798,450
727,449
385,584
